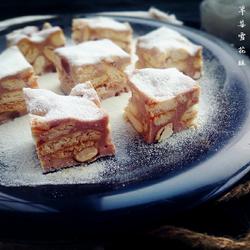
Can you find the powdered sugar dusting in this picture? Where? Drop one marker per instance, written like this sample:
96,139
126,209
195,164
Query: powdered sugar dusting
19,34
135,160
161,84
50,106
31,33
42,35
105,23
92,52
166,39
12,62
85,90
20,165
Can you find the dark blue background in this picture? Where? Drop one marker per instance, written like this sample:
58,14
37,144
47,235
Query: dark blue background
186,10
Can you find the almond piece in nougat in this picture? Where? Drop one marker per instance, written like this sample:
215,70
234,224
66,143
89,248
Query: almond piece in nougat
15,73
95,28
100,62
68,130
38,45
163,101
166,48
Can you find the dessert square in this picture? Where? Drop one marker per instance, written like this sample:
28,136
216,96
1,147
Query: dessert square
67,130
163,101
166,48
15,73
101,62
85,29
38,45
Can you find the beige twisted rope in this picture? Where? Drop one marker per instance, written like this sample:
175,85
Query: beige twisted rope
198,240
237,192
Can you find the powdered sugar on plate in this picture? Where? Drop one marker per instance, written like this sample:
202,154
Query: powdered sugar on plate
20,166
135,160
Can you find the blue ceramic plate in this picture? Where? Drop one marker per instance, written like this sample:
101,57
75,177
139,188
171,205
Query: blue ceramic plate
189,169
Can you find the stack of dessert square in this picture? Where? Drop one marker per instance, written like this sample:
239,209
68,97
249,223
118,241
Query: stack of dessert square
69,130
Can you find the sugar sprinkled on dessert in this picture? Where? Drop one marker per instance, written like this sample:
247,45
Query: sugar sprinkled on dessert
19,34
50,106
20,166
91,52
31,33
105,23
43,34
85,90
167,39
161,84
12,62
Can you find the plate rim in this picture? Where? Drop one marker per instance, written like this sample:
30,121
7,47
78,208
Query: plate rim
134,187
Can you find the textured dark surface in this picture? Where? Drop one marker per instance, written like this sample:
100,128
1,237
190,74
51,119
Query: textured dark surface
221,224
